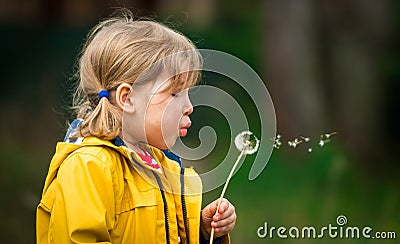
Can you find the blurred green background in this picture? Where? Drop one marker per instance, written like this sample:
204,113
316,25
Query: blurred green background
329,66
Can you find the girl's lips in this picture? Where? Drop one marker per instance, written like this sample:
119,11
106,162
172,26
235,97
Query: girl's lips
183,132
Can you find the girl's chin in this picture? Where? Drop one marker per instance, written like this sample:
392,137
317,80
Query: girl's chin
162,144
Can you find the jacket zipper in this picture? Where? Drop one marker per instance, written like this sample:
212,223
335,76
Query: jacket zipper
184,211
167,235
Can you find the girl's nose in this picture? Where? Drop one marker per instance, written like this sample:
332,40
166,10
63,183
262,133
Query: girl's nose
188,109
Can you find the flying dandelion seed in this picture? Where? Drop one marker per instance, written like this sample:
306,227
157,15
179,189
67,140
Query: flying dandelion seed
323,140
247,143
295,142
277,141
327,135
306,139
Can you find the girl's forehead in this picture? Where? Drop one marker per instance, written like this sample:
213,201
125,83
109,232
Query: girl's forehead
161,85
174,83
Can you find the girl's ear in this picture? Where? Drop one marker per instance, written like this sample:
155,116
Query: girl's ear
124,98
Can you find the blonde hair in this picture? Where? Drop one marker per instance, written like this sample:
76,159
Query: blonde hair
119,50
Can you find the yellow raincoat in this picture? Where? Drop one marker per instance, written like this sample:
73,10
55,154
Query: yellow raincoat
97,192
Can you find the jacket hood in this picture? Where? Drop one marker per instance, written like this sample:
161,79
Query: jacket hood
64,149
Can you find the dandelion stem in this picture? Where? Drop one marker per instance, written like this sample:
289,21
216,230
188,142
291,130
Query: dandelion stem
224,189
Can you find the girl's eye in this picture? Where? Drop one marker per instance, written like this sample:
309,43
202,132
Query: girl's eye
174,94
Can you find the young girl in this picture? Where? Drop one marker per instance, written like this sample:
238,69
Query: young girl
113,179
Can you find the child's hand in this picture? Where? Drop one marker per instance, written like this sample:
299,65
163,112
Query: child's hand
223,221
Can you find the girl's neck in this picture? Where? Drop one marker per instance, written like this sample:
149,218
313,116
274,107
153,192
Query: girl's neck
134,145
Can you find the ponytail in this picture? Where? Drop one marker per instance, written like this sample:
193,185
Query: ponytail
102,120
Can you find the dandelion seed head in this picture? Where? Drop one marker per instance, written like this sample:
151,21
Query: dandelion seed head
310,150
321,143
247,142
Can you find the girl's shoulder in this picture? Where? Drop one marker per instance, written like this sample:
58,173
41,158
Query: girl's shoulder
98,151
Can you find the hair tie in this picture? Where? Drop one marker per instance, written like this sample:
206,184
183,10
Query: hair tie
103,93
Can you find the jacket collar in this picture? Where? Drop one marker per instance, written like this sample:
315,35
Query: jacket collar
117,142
